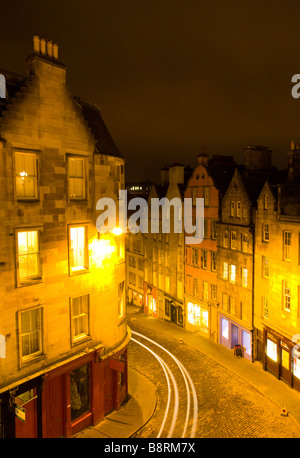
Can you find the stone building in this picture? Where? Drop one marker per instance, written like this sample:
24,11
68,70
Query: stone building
236,246
277,273
209,181
62,283
164,250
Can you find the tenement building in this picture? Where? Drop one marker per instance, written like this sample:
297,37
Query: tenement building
277,274
63,328
164,250
236,248
209,181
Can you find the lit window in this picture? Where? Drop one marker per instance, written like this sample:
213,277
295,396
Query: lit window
296,370
26,175
31,333
287,295
78,249
244,277
225,271
28,256
77,184
80,317
265,232
233,240
287,240
232,276
121,299
225,328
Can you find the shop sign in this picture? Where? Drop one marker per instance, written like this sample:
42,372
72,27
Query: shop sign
20,413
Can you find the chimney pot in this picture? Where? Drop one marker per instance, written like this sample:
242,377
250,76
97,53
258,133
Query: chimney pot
49,48
55,50
43,45
36,44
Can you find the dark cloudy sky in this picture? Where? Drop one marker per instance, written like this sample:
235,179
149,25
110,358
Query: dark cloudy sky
171,76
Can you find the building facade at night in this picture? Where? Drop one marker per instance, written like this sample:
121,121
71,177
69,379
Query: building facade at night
208,181
164,253
63,327
277,273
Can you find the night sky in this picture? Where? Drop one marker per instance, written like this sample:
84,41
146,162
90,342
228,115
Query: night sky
171,76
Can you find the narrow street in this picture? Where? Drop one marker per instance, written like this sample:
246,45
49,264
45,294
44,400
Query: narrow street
225,406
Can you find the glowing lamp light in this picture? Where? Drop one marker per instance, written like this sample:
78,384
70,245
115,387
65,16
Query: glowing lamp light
117,231
23,174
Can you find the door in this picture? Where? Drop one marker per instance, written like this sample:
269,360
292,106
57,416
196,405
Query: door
54,408
108,390
234,335
173,314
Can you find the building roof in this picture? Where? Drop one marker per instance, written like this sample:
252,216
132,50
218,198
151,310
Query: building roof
104,142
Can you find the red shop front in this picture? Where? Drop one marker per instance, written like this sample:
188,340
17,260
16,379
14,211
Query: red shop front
68,398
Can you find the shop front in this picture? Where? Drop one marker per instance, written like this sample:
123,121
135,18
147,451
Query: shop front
135,297
197,317
232,334
66,399
281,357
150,300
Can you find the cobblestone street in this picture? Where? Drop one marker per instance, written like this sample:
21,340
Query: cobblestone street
229,407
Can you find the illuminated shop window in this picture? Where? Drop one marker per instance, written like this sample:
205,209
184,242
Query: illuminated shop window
78,249
272,350
285,359
80,391
225,328
28,256
26,175
297,367
76,176
80,317
31,333
197,316
247,342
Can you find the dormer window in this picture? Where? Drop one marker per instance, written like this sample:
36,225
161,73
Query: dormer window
266,201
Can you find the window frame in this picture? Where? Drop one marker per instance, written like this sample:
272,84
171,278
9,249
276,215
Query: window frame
86,249
37,354
35,278
36,176
84,178
75,340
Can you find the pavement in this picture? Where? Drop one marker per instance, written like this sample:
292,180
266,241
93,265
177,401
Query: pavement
141,404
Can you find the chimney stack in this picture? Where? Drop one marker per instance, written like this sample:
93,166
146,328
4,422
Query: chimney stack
45,48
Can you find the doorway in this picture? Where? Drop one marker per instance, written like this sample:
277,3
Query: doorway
234,335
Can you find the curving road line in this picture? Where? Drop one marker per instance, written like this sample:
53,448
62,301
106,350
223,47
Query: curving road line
190,389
